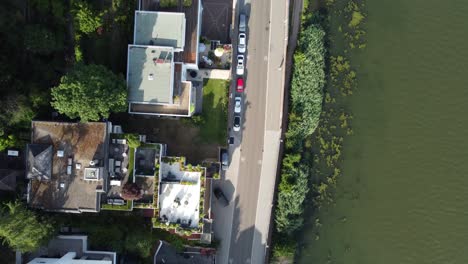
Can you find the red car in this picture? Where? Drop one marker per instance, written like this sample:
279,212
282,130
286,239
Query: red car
240,85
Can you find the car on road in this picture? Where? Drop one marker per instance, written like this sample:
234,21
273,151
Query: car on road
241,43
240,85
240,65
224,159
220,196
238,105
237,123
242,23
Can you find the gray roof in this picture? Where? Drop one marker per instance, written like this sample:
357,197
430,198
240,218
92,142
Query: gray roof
160,29
39,161
150,74
8,179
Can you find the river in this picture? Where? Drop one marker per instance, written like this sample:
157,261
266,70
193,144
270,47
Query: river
403,195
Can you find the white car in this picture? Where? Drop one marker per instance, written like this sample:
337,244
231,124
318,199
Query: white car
238,104
242,43
240,65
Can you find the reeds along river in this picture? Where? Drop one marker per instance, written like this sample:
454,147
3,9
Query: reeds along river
403,195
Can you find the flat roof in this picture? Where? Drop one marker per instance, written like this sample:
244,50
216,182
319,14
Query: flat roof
150,74
179,196
160,29
69,190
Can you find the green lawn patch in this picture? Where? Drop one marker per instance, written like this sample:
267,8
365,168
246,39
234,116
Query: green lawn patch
214,115
125,207
131,161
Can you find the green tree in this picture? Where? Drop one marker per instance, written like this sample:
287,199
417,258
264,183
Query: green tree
40,40
133,140
308,81
86,19
89,92
22,229
7,142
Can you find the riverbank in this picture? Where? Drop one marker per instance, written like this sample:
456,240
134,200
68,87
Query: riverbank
402,194
318,121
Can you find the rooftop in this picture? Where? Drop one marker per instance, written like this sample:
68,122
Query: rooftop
70,250
160,29
70,150
179,196
150,74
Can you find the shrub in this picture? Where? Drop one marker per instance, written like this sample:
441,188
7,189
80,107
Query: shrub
131,191
133,140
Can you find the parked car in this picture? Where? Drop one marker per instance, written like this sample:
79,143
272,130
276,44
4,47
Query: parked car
240,85
224,159
240,65
242,43
231,140
220,196
237,123
242,24
238,105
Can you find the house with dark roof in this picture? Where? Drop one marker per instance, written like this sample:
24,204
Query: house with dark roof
66,166
12,170
163,54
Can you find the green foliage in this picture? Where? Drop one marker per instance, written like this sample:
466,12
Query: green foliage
90,92
86,19
168,3
125,207
283,248
7,142
293,189
40,40
139,243
133,140
187,3
22,229
307,84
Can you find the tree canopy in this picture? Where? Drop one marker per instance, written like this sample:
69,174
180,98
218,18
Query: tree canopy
308,81
22,229
89,92
131,191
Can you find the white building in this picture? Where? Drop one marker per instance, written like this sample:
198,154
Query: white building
71,250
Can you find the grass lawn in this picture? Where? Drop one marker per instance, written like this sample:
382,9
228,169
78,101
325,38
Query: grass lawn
214,114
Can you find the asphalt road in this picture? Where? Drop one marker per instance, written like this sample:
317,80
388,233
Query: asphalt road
243,226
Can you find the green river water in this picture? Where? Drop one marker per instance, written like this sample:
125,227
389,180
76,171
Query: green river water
403,195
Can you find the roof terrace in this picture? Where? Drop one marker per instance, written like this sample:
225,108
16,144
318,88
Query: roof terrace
179,196
68,172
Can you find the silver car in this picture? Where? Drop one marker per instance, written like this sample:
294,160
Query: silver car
242,43
240,65
238,105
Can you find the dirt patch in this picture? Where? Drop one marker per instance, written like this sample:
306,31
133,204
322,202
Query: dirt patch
181,138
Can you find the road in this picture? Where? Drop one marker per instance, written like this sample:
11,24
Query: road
243,227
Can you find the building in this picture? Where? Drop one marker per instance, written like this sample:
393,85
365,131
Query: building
11,170
65,165
70,250
163,53
184,201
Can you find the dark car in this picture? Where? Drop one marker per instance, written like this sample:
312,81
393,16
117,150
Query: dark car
220,196
224,159
237,123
